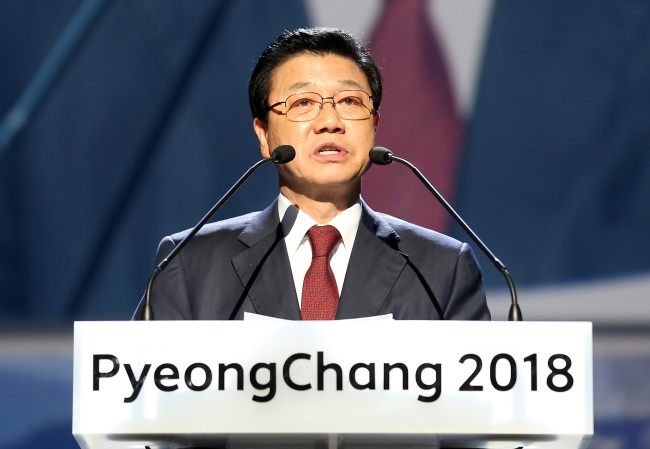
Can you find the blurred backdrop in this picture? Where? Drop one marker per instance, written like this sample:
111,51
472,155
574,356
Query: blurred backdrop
122,121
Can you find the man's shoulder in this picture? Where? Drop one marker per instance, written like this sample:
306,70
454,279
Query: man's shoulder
219,229
414,235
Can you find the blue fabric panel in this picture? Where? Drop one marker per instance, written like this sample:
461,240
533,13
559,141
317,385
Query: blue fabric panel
556,171
144,131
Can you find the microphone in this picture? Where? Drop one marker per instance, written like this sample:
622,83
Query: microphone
383,156
281,155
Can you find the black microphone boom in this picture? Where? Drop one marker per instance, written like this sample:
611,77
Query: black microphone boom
281,155
383,156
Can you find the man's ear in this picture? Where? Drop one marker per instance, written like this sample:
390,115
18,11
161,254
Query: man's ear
376,120
261,129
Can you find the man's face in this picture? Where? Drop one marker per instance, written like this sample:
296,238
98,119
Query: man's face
331,153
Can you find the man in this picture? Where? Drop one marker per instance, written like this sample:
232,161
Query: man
319,91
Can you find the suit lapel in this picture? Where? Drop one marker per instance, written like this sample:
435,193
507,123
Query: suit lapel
264,268
374,267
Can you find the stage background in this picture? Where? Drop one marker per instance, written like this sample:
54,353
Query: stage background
124,121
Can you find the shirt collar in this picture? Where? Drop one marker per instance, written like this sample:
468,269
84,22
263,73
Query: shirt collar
296,223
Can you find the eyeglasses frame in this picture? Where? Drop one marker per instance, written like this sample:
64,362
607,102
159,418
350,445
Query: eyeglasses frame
322,103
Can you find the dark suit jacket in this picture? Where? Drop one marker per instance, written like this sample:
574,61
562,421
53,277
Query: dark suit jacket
241,265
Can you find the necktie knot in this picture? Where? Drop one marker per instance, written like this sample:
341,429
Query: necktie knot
323,239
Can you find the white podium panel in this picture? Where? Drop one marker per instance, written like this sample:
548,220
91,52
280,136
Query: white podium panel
461,384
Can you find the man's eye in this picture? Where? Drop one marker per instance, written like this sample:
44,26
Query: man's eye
303,103
350,101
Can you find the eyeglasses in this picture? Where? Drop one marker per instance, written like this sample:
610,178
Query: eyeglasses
306,106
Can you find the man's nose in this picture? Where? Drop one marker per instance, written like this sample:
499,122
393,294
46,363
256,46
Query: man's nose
329,119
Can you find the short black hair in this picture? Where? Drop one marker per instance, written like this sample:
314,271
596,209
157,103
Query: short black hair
318,41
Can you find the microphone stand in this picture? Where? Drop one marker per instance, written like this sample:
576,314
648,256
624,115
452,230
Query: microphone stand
383,156
281,155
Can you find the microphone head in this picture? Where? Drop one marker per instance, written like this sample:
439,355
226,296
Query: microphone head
381,156
283,154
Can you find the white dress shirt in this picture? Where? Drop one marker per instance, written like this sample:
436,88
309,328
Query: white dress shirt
296,223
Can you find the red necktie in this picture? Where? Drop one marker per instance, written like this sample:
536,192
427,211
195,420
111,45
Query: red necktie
320,295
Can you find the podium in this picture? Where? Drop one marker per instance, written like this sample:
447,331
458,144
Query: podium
332,384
